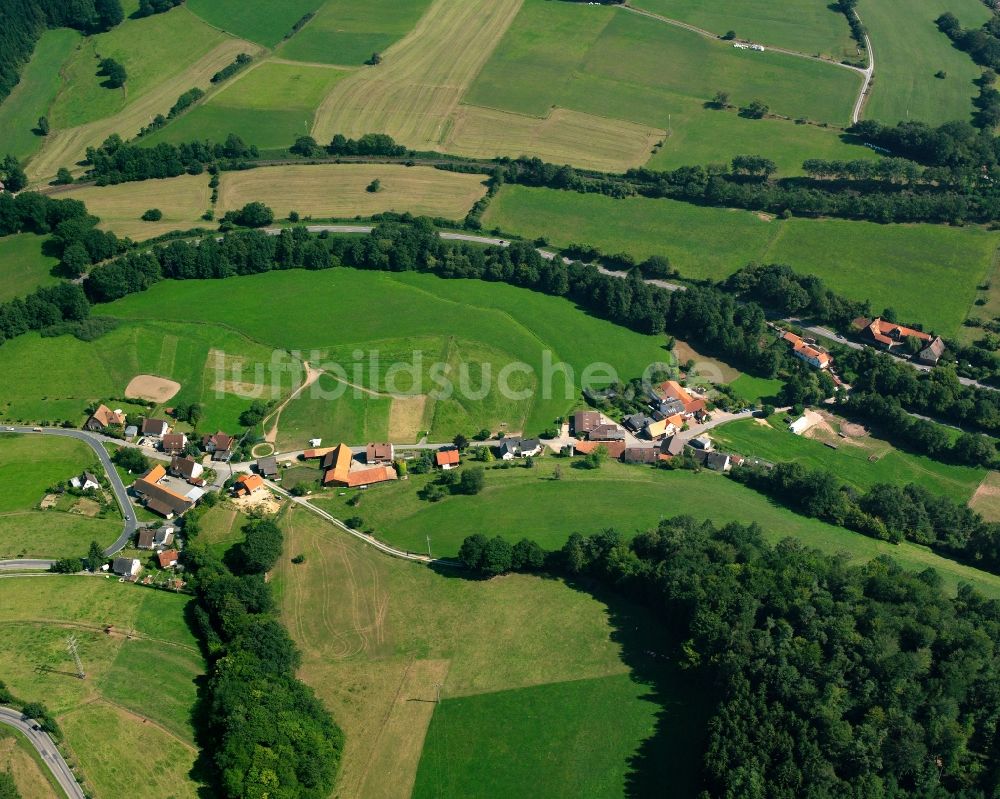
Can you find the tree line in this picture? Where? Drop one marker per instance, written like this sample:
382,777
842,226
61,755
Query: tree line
828,679
268,734
886,511
117,161
23,21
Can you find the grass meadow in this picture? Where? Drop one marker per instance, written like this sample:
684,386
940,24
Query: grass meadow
31,775
632,67
269,105
899,265
378,635
152,49
807,26
80,373
521,502
850,461
496,322
34,94
131,715
348,32
340,190
23,265
909,49
28,466
263,23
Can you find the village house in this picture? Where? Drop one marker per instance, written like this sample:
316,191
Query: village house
145,540
607,432
268,468
637,422
340,470
718,461
85,482
703,443
447,458
155,428
219,445
247,484
163,536
664,427
173,443
888,335
511,448
931,354
128,568
186,467
585,421
379,454
161,499
131,432
103,418
640,455
615,449
670,393
167,558
671,447
811,353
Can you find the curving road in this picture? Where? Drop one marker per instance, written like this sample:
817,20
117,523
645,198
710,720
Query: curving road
45,747
94,441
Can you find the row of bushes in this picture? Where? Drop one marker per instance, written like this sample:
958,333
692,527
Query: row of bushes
267,732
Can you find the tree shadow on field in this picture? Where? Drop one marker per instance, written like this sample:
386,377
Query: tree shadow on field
203,771
668,762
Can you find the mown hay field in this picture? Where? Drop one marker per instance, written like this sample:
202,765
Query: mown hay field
903,266
182,200
340,190
379,635
262,22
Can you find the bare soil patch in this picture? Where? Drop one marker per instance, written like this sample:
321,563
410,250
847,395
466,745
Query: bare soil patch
261,501
986,500
152,388
87,507
49,501
707,369
240,388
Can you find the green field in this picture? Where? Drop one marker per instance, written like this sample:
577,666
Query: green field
348,32
152,50
701,136
808,26
378,635
491,321
522,502
32,97
909,49
268,105
80,372
850,461
23,266
756,389
131,715
525,754
904,266
28,466
264,23
613,63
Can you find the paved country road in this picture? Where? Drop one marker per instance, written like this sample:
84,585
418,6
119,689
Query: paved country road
46,748
94,441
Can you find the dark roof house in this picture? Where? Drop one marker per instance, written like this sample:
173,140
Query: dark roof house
267,467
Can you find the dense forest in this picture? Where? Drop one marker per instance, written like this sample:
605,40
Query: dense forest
22,22
832,680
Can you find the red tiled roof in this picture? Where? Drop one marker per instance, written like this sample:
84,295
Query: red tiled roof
447,457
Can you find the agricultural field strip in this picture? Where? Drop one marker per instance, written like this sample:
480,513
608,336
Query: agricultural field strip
66,147
867,73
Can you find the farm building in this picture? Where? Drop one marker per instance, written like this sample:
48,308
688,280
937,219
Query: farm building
615,449
247,484
812,354
162,499
379,454
156,428
888,334
268,468
340,470
585,421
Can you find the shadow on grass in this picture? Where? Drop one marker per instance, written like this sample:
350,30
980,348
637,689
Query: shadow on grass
204,771
668,762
